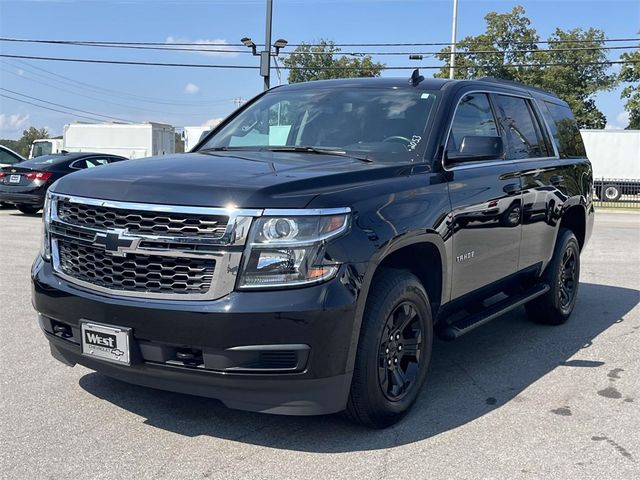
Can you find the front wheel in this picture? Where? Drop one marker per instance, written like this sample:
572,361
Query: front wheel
563,276
394,350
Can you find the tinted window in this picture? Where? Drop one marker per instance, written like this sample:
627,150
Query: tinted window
524,136
89,162
474,118
565,131
7,158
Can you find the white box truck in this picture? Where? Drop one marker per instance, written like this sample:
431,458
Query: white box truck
192,135
615,156
45,146
136,140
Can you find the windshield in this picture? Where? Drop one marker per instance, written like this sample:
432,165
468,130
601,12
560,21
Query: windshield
40,148
381,123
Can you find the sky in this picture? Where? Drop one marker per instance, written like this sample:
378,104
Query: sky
197,96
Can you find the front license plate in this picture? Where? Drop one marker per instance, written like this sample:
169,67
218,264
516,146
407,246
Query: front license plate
14,179
106,343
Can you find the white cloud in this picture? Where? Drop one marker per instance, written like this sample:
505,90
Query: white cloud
20,72
13,122
212,122
220,46
191,88
621,122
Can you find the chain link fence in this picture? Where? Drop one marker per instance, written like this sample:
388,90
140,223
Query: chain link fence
617,193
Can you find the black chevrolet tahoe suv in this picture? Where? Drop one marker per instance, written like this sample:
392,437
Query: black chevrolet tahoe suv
301,259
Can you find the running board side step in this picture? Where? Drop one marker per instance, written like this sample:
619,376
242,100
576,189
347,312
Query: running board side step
473,321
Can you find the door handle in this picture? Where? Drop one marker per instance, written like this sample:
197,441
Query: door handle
511,188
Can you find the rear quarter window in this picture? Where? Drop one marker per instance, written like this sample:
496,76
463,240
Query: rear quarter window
564,129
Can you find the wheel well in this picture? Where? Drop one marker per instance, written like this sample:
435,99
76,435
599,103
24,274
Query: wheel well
423,260
574,220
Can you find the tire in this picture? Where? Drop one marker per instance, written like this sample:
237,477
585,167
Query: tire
611,193
563,277
28,209
378,396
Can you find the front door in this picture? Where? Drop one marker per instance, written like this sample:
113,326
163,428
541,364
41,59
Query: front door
486,202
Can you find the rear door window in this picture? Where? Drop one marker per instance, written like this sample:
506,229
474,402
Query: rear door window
564,129
522,130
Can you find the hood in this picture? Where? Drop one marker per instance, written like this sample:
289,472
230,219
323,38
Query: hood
214,179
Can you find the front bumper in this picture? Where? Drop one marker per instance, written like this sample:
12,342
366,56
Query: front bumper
318,320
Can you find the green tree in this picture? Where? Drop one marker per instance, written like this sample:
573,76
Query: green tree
514,41
630,73
179,143
323,61
22,145
509,35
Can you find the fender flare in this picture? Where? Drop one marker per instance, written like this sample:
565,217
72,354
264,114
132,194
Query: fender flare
401,241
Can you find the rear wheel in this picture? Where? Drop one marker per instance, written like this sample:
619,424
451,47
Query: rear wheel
611,193
563,277
393,352
28,209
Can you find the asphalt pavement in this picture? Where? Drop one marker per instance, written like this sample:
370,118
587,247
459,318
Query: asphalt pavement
511,400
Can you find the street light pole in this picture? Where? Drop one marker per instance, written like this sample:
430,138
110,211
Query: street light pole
265,56
454,25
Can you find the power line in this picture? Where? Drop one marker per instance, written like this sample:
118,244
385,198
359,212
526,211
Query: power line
64,106
388,44
167,46
203,48
249,67
49,108
205,103
125,62
446,44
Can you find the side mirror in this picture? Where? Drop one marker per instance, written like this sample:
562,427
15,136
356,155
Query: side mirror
476,148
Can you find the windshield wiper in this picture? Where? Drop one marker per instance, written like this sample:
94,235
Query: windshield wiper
318,150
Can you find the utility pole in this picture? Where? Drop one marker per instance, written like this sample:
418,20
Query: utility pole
265,56
454,25
238,102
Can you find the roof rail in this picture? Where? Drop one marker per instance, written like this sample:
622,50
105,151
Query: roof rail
517,84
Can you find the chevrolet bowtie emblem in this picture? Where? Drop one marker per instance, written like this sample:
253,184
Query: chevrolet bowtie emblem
116,242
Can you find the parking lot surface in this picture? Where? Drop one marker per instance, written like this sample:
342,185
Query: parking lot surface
510,400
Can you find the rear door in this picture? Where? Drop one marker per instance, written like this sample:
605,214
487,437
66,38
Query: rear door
486,202
550,174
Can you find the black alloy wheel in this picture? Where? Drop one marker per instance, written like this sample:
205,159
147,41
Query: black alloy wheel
400,351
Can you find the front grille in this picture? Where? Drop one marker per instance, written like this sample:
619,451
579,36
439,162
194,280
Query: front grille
135,272
142,221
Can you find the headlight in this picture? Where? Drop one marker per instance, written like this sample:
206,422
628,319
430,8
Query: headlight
285,251
45,250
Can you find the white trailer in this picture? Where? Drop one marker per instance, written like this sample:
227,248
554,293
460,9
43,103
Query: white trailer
192,135
137,140
615,156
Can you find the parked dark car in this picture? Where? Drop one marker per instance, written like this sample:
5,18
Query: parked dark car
302,257
24,184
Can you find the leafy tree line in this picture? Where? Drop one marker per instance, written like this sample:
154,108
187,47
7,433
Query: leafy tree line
573,65
22,145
